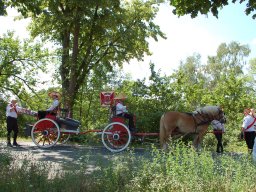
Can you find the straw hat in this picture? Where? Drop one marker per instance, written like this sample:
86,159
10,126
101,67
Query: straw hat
120,96
54,93
13,99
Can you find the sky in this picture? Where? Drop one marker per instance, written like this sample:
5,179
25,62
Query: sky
185,36
203,35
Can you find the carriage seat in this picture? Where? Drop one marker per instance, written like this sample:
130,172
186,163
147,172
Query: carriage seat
68,123
118,119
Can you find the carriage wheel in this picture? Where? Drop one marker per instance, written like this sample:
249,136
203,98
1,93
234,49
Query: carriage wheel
45,133
116,137
63,138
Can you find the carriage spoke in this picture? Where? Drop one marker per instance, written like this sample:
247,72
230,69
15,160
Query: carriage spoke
116,137
45,133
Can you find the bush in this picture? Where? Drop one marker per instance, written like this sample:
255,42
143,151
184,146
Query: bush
181,169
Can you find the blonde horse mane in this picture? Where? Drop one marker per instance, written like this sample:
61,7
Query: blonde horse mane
210,110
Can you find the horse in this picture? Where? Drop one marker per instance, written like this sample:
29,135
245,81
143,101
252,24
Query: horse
174,124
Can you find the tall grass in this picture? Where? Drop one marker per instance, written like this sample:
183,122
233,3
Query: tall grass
181,169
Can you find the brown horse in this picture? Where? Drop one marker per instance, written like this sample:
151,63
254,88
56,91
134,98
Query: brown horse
175,124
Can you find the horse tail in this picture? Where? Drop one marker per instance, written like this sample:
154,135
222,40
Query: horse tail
162,133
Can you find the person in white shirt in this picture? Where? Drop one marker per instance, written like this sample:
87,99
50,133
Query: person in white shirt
218,130
54,106
248,128
121,111
55,96
12,110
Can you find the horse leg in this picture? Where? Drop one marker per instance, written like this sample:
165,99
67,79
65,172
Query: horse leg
164,137
196,142
162,134
199,137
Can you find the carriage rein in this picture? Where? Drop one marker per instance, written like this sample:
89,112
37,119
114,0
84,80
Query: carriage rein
201,118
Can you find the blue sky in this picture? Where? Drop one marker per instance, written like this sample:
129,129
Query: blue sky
202,35
185,36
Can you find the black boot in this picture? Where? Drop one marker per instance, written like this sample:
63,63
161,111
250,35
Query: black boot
14,140
218,149
9,140
221,149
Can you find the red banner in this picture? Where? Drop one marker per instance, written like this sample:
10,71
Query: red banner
106,98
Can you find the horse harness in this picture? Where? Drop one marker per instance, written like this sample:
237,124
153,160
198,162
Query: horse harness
203,118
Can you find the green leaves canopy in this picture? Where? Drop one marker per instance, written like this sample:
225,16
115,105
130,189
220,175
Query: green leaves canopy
20,63
183,7
92,35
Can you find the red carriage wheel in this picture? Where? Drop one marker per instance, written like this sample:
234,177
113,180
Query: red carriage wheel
45,133
116,137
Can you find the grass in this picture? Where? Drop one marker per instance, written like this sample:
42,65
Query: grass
181,169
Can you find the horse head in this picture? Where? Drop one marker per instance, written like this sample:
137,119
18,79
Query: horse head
207,114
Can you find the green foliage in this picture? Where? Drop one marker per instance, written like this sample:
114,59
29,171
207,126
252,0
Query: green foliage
183,7
20,64
92,35
181,169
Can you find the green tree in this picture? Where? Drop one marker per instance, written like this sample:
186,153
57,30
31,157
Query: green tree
183,7
20,64
230,58
189,81
92,34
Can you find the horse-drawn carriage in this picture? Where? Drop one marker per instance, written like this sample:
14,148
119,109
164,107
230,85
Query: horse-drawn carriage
53,129
116,136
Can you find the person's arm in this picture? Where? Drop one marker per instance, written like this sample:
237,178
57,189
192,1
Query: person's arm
9,109
54,105
19,109
120,108
223,128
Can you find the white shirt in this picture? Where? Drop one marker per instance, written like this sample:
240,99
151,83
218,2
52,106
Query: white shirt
120,108
13,113
218,125
55,104
248,119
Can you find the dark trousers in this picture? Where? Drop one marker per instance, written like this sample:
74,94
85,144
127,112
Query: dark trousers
218,136
42,114
130,118
12,125
249,139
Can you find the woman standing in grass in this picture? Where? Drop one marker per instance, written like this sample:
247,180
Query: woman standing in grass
248,128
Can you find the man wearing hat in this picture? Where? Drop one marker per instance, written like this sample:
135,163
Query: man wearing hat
12,111
121,111
55,96
54,107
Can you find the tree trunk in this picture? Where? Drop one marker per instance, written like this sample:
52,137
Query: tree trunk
69,71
